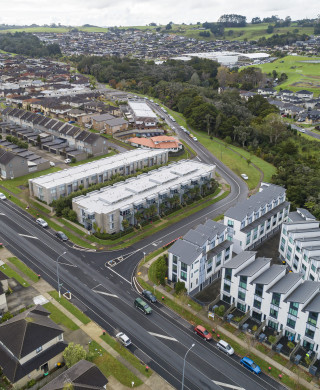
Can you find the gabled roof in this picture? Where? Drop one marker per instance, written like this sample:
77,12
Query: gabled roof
269,275
254,267
82,376
303,292
187,252
238,260
285,283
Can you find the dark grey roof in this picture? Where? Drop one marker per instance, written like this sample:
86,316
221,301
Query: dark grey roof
242,209
294,216
6,157
254,267
83,375
303,292
115,121
306,213
27,331
313,305
286,283
186,251
238,260
92,138
102,117
218,249
196,238
269,275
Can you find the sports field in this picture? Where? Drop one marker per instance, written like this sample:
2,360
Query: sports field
302,72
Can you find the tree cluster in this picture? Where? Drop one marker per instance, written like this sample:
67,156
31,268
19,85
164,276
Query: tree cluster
282,39
233,20
217,29
27,44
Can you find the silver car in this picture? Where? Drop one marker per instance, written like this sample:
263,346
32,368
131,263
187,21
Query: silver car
124,339
225,347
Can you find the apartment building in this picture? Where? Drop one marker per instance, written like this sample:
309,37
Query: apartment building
138,198
281,301
257,218
299,245
197,258
142,114
62,183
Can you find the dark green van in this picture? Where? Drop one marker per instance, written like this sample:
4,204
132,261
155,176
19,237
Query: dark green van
143,306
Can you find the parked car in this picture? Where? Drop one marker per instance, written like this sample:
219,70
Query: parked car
124,339
42,222
2,196
250,365
67,161
143,306
62,236
195,138
244,176
202,331
225,347
148,294
52,164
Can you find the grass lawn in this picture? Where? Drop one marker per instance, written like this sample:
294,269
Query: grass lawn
124,352
14,184
280,359
60,318
23,268
70,307
301,75
5,268
111,366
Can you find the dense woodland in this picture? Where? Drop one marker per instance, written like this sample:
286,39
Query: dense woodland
191,89
27,44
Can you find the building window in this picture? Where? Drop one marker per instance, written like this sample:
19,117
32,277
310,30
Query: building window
313,318
241,307
226,288
243,282
174,268
293,308
184,267
183,275
228,273
174,259
259,290
291,323
241,295
274,313
309,333
257,304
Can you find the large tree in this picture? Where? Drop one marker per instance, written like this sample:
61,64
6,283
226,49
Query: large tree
73,354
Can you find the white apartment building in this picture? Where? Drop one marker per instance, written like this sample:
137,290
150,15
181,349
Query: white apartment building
138,196
283,301
143,115
257,218
299,244
62,183
198,258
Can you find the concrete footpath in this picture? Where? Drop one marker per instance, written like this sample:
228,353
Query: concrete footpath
94,331
143,273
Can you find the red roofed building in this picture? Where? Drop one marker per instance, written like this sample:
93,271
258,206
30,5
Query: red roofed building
160,142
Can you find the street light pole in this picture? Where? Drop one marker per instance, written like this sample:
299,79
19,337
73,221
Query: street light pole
58,272
184,365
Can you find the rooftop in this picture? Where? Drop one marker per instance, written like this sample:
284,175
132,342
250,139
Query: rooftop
304,292
142,109
285,283
269,275
240,259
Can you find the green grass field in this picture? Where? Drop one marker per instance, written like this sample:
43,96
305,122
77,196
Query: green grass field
60,318
301,75
23,268
7,270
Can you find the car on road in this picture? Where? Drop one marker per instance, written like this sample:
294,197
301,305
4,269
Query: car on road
244,176
202,331
42,222
250,365
148,295
195,138
225,347
62,236
143,306
123,339
67,161
52,164
2,196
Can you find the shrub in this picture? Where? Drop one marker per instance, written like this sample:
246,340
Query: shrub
220,310
31,383
180,287
290,345
272,339
161,269
254,328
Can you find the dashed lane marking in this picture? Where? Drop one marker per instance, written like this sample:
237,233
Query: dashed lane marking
26,235
162,336
233,387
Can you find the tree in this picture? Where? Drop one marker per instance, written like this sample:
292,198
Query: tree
161,270
195,79
270,29
232,20
168,26
125,224
256,20
179,287
73,354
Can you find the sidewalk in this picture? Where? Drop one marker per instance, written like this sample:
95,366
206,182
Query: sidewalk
154,382
144,275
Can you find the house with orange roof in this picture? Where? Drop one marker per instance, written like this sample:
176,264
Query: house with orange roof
160,142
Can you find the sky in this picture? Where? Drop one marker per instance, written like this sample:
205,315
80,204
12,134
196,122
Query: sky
107,13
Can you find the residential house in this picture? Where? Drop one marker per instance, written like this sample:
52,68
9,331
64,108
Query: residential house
303,94
31,345
11,165
115,125
257,218
160,142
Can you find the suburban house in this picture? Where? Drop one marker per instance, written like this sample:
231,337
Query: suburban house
138,198
252,221
143,115
83,375
99,121
197,258
299,244
160,142
115,125
281,301
62,183
304,94
11,165
31,345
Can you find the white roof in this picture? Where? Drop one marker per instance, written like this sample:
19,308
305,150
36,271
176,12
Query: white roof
94,168
122,195
141,109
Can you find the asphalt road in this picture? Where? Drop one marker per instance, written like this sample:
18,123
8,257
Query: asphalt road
160,339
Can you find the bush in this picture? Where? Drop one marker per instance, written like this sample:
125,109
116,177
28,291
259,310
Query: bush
161,269
254,328
114,236
31,383
180,287
6,316
220,310
272,339
290,345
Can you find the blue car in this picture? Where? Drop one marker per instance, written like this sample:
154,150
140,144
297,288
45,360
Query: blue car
250,364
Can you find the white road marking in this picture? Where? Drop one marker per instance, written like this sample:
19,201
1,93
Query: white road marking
25,235
162,336
104,293
70,265
228,386
2,214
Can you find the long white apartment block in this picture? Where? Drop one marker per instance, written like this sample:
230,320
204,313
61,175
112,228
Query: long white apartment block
279,300
197,258
299,244
257,218
108,207
62,183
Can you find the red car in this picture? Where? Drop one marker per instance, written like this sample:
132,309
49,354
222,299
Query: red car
202,331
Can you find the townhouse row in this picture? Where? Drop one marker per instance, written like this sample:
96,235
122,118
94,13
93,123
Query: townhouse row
282,301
